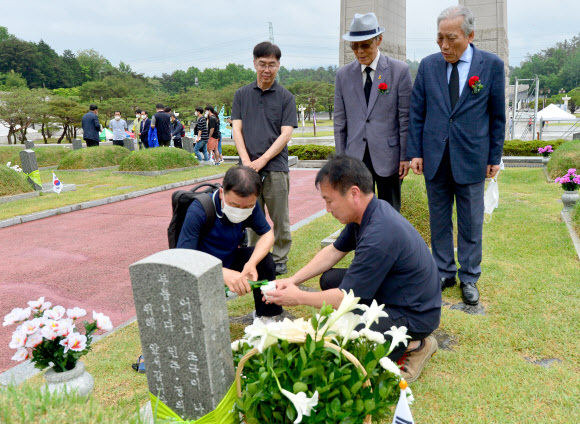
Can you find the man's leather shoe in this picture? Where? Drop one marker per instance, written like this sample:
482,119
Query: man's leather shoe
469,293
448,282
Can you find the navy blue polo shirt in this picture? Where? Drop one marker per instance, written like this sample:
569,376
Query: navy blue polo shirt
224,237
393,265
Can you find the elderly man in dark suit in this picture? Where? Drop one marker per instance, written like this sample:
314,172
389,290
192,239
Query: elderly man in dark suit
91,126
371,108
456,135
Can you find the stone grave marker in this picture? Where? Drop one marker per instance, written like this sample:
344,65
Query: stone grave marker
29,144
188,144
30,166
129,144
184,329
77,144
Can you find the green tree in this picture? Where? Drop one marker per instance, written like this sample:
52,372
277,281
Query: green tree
18,110
94,65
68,113
11,80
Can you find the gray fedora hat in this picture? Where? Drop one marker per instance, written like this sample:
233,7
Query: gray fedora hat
363,27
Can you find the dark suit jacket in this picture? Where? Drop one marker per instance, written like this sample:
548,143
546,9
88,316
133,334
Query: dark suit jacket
91,126
382,124
145,127
474,129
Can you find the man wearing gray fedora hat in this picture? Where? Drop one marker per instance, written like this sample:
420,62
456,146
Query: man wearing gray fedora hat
371,108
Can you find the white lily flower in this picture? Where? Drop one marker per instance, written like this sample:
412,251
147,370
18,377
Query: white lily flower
302,403
399,335
345,325
36,304
237,344
349,303
34,340
20,355
260,336
75,342
409,394
103,321
373,336
373,313
390,366
76,312
18,340
55,313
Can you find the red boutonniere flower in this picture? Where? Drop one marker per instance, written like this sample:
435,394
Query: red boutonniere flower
383,88
475,84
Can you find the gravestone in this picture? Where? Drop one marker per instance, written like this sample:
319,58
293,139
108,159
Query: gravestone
184,329
129,144
77,144
188,144
30,166
29,144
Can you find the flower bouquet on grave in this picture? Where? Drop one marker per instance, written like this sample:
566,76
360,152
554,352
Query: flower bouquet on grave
49,336
546,151
321,370
570,181
253,285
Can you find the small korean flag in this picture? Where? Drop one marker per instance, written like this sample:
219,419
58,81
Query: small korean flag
402,412
56,184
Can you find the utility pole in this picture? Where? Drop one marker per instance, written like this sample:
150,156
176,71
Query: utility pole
271,32
536,106
514,109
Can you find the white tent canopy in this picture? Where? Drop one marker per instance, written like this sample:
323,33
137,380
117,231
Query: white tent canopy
554,113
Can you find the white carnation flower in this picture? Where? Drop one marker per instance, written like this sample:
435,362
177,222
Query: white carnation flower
390,366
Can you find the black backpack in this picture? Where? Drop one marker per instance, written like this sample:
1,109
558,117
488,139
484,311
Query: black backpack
180,201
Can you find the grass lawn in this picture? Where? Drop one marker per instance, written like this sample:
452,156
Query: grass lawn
298,133
319,122
97,185
532,310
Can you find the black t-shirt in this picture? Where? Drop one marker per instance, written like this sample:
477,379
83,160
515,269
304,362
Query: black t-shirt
163,126
215,124
393,265
263,114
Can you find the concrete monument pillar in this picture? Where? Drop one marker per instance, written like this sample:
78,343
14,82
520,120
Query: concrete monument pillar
491,27
391,14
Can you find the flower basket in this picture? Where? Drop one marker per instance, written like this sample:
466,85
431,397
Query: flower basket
327,344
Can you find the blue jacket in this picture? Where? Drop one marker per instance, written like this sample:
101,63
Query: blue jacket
474,129
91,126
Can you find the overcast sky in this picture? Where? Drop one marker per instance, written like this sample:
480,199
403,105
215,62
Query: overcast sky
156,36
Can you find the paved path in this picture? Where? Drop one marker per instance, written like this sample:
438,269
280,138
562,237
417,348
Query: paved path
82,258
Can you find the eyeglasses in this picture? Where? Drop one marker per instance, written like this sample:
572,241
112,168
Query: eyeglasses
269,66
364,46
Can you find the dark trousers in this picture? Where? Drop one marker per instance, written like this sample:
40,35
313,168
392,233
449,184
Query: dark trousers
145,141
442,190
332,278
92,143
177,143
119,143
388,188
164,143
266,271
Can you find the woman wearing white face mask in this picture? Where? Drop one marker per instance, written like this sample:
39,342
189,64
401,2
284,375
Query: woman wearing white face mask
235,210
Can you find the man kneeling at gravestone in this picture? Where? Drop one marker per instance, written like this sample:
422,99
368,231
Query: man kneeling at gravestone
391,264
235,210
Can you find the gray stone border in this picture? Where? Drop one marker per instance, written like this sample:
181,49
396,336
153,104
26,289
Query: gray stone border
99,202
157,173
104,168
567,218
14,197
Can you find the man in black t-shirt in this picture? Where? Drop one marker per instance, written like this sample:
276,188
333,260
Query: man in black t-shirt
162,123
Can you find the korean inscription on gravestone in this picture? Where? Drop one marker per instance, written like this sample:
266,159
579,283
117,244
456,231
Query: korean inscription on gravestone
184,329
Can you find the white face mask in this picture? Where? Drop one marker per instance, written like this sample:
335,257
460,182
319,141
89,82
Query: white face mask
206,114
236,215
143,117
117,118
137,116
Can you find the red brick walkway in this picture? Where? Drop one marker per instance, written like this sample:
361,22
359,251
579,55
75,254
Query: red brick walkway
82,258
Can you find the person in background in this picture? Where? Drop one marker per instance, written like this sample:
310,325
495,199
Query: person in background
145,127
118,126
176,131
137,127
214,134
91,126
202,135
162,123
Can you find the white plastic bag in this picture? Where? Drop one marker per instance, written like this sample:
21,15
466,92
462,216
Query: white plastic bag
491,196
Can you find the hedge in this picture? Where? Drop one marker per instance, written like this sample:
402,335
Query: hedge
564,157
527,147
12,182
157,159
94,157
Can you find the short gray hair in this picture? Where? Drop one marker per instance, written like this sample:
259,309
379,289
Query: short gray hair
468,24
